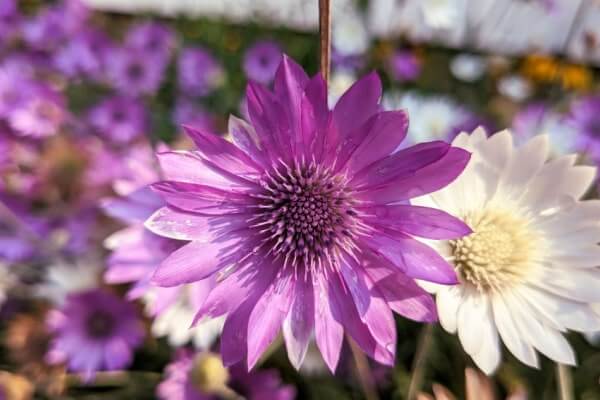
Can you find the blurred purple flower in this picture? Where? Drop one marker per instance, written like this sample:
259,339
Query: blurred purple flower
84,56
186,112
585,119
199,72
404,66
132,72
311,207
10,19
202,376
469,124
39,114
156,40
347,62
17,229
261,61
95,330
119,119
15,84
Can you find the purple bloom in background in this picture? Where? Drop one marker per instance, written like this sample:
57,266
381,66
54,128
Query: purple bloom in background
119,119
95,330
305,220
55,24
16,233
261,61
15,84
39,114
156,40
585,119
347,62
132,72
199,72
187,112
469,124
84,55
404,66
10,19
202,376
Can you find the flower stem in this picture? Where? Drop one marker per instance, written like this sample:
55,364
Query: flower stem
363,372
418,367
325,37
565,382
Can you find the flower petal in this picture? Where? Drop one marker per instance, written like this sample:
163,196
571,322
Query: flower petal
329,332
358,104
299,322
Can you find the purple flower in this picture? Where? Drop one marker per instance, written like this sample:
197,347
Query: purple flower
95,330
55,24
261,61
155,39
17,229
186,112
10,19
132,72
202,376
15,84
119,119
404,66
347,62
39,114
585,119
84,55
199,73
305,220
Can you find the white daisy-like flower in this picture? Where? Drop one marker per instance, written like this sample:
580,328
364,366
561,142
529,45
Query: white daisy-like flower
468,67
431,118
174,322
349,32
439,14
527,272
62,279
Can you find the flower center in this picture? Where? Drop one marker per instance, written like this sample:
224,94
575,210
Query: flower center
306,215
100,324
208,375
497,253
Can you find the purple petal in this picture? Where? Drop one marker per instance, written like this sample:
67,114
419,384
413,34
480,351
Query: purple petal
375,139
299,322
222,152
234,338
358,104
195,261
244,136
419,221
267,316
117,355
135,207
329,332
314,115
190,168
414,258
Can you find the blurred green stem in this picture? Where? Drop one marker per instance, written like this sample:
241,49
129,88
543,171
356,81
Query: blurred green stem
418,367
363,372
565,382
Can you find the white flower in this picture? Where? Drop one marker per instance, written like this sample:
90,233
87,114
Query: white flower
349,33
515,87
527,271
61,280
439,14
468,67
429,118
175,321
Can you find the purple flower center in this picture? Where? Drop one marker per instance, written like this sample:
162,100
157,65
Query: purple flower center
100,324
135,71
306,215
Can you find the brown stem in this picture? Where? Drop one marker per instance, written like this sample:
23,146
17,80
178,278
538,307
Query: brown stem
418,368
363,372
565,382
325,37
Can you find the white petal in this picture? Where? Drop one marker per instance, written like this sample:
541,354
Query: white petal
473,308
489,354
448,300
497,149
576,284
510,333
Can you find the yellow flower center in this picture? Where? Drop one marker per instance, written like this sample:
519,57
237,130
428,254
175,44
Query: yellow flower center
497,253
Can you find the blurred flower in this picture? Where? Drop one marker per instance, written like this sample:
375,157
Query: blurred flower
15,387
405,66
340,82
156,40
527,270
576,77
439,14
261,61
348,63
540,68
244,208
199,73
94,330
585,120
40,114
10,19
187,112
137,252
55,24
133,73
15,84
17,226
431,118
202,376
515,87
478,387
349,34
538,118
62,279
468,67
119,119
84,55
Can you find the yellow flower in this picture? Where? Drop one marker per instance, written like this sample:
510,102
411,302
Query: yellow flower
575,77
541,68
